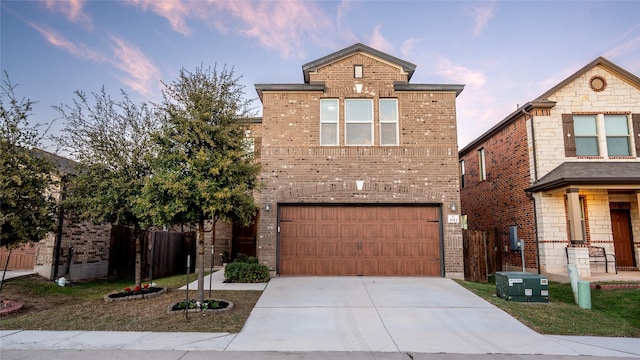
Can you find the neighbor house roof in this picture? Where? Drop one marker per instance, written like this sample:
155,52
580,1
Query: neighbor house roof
589,173
63,165
333,57
542,101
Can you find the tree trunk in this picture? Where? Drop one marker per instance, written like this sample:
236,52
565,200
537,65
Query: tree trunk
138,233
201,262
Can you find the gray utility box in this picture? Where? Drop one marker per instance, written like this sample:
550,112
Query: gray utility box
522,286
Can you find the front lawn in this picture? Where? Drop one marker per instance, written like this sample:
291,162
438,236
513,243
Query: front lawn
613,312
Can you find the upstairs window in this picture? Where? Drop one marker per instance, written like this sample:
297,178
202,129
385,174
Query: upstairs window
616,128
358,71
329,115
482,171
358,118
388,122
586,135
462,173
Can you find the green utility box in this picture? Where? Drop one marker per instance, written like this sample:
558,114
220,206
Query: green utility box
522,286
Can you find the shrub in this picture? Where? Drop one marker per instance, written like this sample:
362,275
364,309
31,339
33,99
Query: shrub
243,258
244,272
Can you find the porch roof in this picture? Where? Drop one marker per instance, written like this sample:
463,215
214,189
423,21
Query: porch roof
606,173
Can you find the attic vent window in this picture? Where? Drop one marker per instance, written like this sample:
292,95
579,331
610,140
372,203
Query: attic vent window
598,83
357,71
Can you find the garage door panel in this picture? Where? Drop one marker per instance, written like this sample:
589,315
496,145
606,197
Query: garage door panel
350,231
359,240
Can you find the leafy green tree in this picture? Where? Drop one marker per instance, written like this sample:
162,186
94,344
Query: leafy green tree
27,204
203,170
111,140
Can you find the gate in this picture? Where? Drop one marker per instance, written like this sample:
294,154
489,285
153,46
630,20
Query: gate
482,256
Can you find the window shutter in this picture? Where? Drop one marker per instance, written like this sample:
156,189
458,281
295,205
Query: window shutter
569,137
635,121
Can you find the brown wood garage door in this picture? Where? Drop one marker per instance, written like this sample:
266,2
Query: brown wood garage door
359,240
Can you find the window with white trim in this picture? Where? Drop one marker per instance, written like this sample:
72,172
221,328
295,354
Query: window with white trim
462,173
616,128
329,115
358,119
388,122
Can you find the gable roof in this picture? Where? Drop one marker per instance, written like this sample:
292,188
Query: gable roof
542,101
62,164
315,64
590,173
600,61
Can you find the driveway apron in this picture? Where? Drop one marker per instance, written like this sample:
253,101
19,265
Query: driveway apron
385,314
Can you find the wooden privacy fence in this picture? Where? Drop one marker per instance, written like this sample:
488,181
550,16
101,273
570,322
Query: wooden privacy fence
167,253
164,253
482,255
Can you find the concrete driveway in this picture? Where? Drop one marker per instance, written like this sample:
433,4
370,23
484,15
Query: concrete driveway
384,314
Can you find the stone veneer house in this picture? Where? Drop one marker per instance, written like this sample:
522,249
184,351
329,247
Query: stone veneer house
360,169
565,169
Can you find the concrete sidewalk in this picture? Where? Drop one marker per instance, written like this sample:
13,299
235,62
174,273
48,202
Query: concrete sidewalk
344,317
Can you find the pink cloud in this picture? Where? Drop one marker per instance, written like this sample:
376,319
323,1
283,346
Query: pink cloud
281,25
481,16
460,74
71,9
408,46
57,40
175,11
142,75
377,40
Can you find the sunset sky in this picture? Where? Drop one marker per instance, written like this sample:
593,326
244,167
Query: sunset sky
505,52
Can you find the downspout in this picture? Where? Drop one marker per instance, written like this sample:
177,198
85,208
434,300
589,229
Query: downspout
58,242
530,195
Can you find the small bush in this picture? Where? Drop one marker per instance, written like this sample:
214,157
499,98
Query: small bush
244,272
244,258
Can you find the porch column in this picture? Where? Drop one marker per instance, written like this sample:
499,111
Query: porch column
575,224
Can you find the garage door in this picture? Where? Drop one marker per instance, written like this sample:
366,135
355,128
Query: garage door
359,240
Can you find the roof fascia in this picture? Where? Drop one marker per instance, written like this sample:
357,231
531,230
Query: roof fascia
318,86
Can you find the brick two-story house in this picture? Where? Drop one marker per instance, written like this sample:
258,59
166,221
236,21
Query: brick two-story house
565,169
360,170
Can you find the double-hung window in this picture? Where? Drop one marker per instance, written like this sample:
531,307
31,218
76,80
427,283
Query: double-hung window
586,135
358,118
329,115
388,122
616,128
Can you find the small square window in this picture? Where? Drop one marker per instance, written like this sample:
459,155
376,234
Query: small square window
358,71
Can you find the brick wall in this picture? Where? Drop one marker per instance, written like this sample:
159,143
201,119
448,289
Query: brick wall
90,256
296,169
500,201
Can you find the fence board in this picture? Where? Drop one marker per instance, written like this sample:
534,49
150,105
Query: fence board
475,255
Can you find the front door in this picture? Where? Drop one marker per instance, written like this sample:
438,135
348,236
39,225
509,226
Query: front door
244,239
620,226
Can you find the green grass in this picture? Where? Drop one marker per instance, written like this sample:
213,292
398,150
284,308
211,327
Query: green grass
613,312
